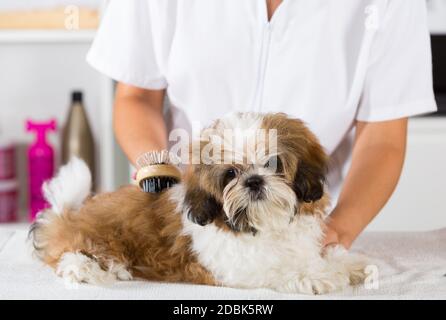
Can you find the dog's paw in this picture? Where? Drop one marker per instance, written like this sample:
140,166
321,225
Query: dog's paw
316,284
77,268
323,285
354,265
120,271
356,268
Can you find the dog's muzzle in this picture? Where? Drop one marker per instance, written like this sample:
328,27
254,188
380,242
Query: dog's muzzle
255,184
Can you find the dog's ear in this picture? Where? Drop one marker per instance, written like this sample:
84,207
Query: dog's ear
200,205
309,182
311,167
202,208
307,160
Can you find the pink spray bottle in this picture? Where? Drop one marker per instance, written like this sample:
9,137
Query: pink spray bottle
40,164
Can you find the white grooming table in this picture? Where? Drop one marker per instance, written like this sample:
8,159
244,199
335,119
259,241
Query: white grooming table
411,265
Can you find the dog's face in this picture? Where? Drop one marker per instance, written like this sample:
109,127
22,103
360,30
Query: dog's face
259,184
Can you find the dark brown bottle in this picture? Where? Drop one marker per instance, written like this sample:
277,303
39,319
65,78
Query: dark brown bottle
77,139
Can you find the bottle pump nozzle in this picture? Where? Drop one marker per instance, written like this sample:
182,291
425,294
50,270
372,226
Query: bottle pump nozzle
40,128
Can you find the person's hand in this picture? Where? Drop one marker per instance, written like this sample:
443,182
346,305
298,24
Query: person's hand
331,237
335,233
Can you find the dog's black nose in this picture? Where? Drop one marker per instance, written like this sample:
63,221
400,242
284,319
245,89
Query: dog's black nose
254,182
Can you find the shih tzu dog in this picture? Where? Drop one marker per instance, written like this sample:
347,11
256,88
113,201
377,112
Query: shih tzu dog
242,224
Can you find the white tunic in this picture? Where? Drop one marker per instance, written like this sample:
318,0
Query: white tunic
327,62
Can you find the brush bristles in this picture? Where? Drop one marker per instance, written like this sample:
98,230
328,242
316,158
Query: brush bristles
160,164
157,184
153,157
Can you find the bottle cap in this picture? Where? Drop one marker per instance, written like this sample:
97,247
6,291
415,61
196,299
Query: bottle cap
77,96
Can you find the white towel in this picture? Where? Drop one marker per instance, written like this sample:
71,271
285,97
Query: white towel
411,265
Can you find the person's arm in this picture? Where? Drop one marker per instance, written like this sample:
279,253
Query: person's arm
138,120
377,161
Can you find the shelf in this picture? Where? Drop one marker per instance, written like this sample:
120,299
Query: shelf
46,36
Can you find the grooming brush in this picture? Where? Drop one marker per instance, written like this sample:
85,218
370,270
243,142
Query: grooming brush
156,171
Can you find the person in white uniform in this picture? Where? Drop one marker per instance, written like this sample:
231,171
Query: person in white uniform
353,70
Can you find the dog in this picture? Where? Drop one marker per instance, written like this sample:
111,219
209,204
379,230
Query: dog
241,224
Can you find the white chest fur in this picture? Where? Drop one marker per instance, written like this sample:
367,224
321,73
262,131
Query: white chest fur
288,261
263,260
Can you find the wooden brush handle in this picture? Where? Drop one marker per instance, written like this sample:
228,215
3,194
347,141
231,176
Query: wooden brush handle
158,170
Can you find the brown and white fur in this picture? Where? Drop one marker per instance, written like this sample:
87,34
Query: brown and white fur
238,225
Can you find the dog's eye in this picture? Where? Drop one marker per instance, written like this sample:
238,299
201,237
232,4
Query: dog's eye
229,175
274,163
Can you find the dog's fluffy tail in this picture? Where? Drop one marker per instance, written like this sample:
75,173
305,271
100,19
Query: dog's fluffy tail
70,187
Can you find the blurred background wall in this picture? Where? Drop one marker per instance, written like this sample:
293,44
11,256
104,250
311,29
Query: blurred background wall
41,63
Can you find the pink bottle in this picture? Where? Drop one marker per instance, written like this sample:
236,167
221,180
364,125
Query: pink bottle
40,164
